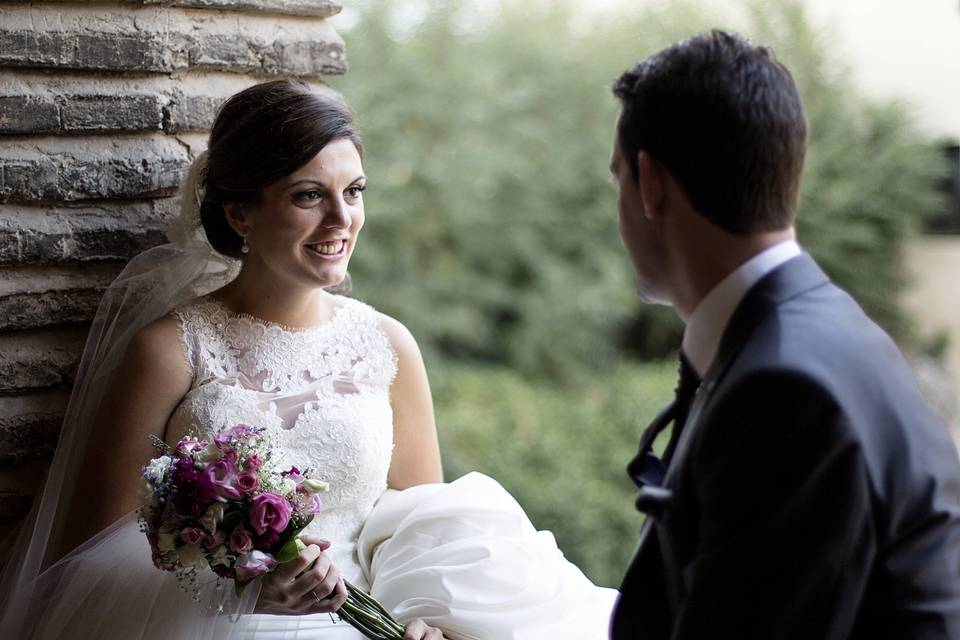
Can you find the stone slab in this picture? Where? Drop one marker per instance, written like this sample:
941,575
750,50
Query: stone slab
37,103
309,8
33,297
104,231
38,359
30,425
167,39
71,169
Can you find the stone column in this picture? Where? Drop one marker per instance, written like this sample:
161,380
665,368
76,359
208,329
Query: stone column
103,105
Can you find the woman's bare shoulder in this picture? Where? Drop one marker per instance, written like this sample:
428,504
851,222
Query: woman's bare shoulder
156,352
402,341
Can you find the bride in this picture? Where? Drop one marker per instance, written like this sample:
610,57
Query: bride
237,321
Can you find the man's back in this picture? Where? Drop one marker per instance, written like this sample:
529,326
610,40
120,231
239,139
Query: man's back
818,496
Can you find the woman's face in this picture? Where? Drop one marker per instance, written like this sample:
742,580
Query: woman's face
304,229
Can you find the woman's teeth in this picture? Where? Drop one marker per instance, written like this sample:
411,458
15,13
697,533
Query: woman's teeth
328,248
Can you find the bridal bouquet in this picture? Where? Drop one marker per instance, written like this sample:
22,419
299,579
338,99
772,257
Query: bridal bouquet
230,506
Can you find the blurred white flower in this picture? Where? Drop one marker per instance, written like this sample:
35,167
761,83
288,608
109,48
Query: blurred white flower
166,541
212,517
192,556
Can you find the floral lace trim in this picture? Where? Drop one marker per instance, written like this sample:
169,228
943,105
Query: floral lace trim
351,346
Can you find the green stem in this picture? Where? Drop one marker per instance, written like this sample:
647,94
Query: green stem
368,603
368,625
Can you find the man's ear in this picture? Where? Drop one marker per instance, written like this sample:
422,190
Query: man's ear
650,180
238,217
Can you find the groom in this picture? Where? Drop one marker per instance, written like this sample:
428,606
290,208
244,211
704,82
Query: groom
806,490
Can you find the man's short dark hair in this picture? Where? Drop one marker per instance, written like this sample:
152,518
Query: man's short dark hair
724,117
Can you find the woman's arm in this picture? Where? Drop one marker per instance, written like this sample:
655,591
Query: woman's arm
147,386
416,452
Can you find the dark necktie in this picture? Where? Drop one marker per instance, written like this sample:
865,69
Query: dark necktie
687,385
647,470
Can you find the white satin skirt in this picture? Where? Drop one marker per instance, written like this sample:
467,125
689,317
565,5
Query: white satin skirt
462,556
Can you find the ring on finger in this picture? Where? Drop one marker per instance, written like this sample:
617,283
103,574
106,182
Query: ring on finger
315,596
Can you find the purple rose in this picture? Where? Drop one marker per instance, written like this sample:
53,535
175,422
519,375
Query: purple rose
222,474
253,564
192,492
240,540
308,503
267,541
222,570
294,474
191,535
253,462
269,512
211,540
248,481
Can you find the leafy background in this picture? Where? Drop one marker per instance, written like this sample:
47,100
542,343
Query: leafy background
492,231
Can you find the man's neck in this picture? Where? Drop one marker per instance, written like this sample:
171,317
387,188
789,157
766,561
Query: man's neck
708,261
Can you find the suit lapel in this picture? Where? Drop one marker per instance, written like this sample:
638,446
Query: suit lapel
790,279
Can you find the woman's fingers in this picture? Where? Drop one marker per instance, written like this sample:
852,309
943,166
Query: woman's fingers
320,542
310,583
331,603
288,571
320,579
419,630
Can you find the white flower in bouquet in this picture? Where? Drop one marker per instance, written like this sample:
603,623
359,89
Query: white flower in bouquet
192,555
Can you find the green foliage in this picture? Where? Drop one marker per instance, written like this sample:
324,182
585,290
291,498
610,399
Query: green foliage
492,221
561,454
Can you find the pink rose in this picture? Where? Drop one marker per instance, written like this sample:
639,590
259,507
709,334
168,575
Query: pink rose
191,535
268,511
253,462
248,481
253,564
312,503
240,540
222,474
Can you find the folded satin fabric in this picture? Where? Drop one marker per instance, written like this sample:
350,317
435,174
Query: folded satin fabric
464,557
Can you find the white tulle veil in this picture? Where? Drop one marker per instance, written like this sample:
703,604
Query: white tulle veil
37,600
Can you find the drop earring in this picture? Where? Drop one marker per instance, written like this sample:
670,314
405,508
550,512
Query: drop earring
245,248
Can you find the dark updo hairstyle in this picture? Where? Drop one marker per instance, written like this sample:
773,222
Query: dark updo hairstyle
263,134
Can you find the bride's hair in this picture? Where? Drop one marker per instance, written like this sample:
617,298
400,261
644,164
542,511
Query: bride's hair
263,134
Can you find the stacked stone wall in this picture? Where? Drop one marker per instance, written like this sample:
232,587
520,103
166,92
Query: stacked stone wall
103,105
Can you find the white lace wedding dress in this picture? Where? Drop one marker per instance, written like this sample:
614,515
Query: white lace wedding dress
461,555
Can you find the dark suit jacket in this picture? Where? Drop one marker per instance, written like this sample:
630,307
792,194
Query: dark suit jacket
814,495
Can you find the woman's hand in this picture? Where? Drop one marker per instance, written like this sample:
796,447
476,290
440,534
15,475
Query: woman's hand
419,630
307,584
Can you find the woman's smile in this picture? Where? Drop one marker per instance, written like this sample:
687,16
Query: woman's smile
329,250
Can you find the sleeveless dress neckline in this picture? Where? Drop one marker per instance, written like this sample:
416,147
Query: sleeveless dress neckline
330,322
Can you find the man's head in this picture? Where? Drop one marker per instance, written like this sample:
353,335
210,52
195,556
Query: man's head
724,118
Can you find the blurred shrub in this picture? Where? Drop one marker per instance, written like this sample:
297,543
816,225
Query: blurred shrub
492,220
561,453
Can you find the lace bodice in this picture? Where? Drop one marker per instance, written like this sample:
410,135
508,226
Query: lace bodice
323,392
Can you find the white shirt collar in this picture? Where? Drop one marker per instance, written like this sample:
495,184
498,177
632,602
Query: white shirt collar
701,338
